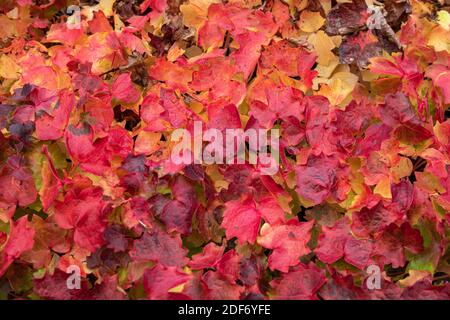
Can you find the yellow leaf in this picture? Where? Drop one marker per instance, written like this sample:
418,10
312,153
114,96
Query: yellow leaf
310,21
402,169
444,19
326,5
291,180
429,182
421,8
8,68
340,86
439,38
442,132
43,76
413,277
118,24
107,7
368,75
13,14
305,202
147,142
323,45
296,5
246,3
325,71
383,188
195,12
283,201
357,183
178,288
196,106
174,52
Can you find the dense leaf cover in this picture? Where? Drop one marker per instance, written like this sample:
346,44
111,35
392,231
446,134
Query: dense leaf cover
359,90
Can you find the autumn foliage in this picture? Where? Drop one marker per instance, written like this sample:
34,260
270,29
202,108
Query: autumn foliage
358,89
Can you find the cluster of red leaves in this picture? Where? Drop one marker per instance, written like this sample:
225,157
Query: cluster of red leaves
87,113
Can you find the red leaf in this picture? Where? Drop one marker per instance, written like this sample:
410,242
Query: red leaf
159,246
79,141
302,283
316,179
241,219
16,186
219,288
373,221
209,258
123,89
84,211
223,117
54,287
288,242
159,280
177,214
20,240
424,290
294,61
393,242
342,288
50,124
337,242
